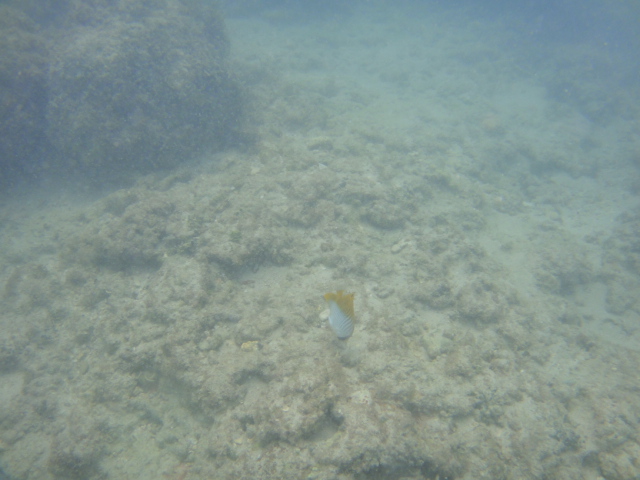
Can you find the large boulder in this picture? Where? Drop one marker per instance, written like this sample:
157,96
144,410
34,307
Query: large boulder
140,85
23,98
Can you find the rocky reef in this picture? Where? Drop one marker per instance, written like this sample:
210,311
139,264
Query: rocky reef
113,87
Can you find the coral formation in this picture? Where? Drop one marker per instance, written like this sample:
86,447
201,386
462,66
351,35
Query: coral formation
23,94
146,86
112,87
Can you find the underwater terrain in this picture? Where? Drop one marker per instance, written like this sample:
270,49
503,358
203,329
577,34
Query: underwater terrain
471,175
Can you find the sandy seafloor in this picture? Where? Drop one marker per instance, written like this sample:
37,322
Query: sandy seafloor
482,206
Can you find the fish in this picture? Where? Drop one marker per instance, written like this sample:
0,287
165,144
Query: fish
341,316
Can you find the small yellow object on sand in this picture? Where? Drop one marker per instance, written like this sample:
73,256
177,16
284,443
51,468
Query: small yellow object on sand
251,346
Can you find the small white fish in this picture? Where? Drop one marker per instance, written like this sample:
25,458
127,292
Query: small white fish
341,316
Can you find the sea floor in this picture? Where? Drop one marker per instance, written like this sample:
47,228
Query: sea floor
485,215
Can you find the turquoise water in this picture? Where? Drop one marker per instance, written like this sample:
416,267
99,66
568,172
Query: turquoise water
469,173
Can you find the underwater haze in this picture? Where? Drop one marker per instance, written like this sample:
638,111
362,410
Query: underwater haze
183,183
